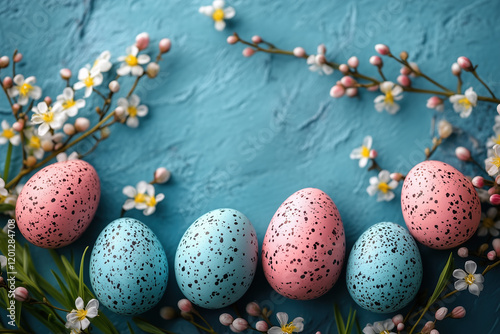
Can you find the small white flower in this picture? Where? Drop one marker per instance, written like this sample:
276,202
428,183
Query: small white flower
489,224
296,326
484,197
380,327
88,79
77,319
48,117
218,13
63,156
25,89
102,63
11,199
383,185
3,191
142,197
463,103
33,144
493,162
132,62
133,109
469,278
392,93
68,103
317,62
9,135
363,153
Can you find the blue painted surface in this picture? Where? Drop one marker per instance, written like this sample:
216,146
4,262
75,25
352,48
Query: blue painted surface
247,133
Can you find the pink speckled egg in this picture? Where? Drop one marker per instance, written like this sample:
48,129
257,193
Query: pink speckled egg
304,246
440,206
58,203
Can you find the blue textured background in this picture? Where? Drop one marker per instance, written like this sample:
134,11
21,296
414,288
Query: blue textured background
247,133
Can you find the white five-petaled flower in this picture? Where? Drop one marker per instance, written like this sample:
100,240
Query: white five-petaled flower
9,135
132,62
48,117
383,185
380,327
489,223
34,143
102,63
218,13
142,197
392,92
363,153
493,162
463,103
133,109
296,326
469,278
317,62
25,89
77,319
68,103
88,79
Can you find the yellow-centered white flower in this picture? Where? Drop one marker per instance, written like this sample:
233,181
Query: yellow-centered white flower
492,163
464,103
317,62
68,103
133,109
48,117
142,197
383,186
363,153
24,89
469,279
380,327
78,319
9,135
218,13
489,223
102,63
392,93
88,79
285,327
132,62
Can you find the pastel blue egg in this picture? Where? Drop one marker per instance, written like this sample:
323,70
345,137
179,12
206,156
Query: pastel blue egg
384,270
216,258
128,267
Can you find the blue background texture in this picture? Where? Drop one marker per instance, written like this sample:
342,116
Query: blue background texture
247,133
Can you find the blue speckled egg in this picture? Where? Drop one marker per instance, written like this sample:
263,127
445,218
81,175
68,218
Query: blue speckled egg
384,270
216,258
128,267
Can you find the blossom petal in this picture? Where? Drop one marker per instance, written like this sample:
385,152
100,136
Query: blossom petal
470,267
43,129
137,70
282,318
229,13
123,70
367,142
459,274
18,79
78,85
132,122
143,59
36,93
134,100
478,278
79,303
128,205
218,4
129,191
460,285
275,330
85,323
220,25
142,110
384,176
159,198
474,289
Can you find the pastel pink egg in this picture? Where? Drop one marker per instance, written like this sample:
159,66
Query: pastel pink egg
304,246
58,203
440,206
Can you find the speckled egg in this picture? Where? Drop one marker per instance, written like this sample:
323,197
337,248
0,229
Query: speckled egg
384,270
128,267
304,246
440,206
216,258
58,203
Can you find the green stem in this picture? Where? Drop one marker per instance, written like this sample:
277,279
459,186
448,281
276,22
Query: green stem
483,83
491,266
7,163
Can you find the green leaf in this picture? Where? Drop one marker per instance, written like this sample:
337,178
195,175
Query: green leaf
6,207
81,290
130,328
358,327
339,321
147,327
443,280
350,321
19,307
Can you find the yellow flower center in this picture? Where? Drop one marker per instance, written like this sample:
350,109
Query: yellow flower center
8,133
497,140
68,103
34,142
389,98
25,89
131,60
2,198
88,81
151,201
365,152
464,102
496,161
81,314
288,328
218,15
385,332
48,116
140,198
132,111
488,222
383,187
470,279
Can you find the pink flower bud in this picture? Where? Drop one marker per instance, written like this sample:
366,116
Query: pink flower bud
233,329
47,145
337,91
458,312
185,305
261,326
496,245
373,154
256,39
351,92
240,324
376,61
114,86
429,325
142,40
253,309
152,69
465,63
347,81
456,69
492,191
463,252
7,82
495,199
4,61
21,294
320,59
400,327
478,181
18,57
18,126
321,49
462,153
405,70
492,255
48,100
164,45
441,313
65,73
435,102
16,107
299,52
232,39
404,80
353,62
382,49
396,176
119,112
344,68
168,313
248,52
434,331
397,319
372,88
226,319
162,175
82,124
414,68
